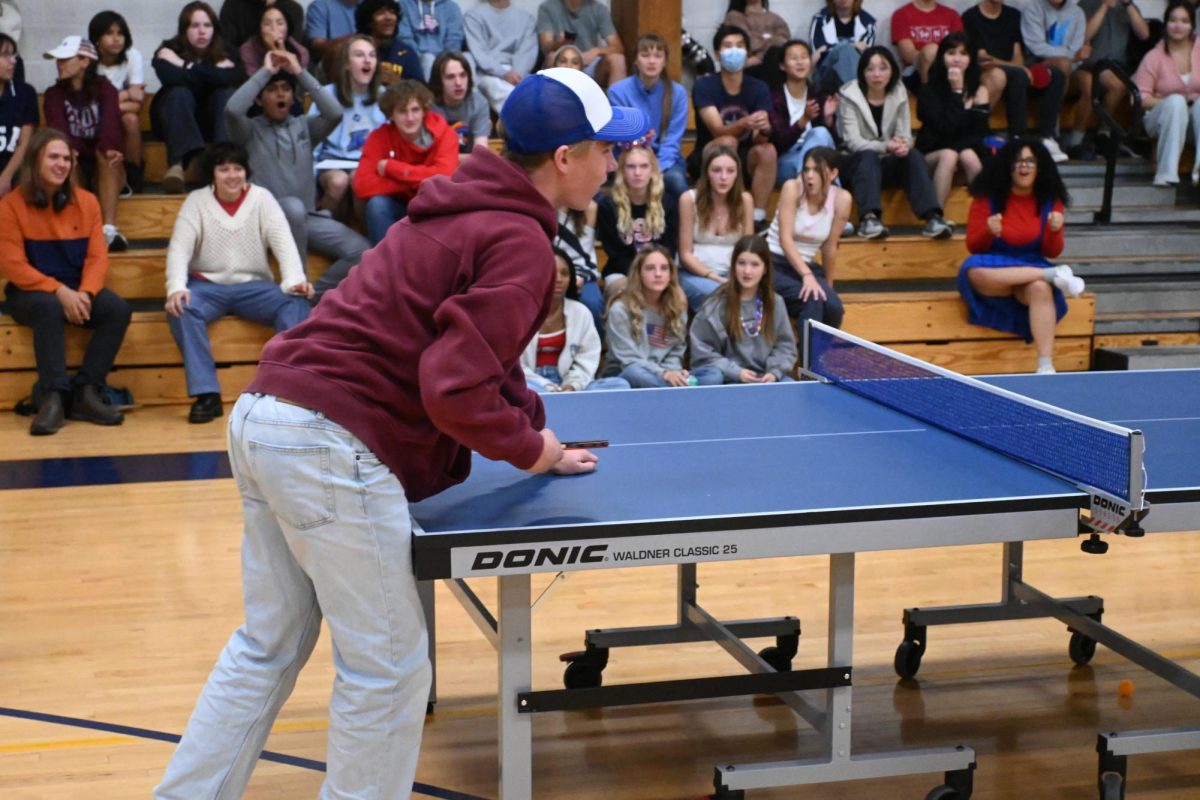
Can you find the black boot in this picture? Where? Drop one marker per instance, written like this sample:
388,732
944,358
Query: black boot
50,416
206,408
88,404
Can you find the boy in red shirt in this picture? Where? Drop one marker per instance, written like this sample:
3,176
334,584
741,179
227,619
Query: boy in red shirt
917,30
375,401
414,144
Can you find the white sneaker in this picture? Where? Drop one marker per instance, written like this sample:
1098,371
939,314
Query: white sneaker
1066,280
1046,370
1056,154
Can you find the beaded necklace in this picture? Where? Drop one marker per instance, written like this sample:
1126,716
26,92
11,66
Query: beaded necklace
755,327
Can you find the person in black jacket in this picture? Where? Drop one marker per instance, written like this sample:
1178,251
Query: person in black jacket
240,18
953,109
198,76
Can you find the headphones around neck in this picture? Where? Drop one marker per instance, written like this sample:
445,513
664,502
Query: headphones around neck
58,202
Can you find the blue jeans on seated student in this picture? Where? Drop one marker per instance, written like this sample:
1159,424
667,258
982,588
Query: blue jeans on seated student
592,296
547,376
257,301
327,534
641,377
696,288
830,311
791,162
711,376
381,213
675,180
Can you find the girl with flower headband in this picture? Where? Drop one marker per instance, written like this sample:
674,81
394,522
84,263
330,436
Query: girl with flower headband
647,325
636,213
742,333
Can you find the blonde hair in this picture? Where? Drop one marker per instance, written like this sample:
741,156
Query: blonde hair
673,300
656,216
706,198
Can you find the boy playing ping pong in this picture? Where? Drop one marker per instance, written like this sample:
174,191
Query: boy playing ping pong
375,401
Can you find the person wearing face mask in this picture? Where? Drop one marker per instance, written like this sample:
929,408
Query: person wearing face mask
217,265
734,109
281,145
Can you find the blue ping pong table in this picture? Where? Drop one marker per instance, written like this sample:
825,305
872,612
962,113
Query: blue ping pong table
807,468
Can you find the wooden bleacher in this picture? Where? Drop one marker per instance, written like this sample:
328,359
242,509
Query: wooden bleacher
928,324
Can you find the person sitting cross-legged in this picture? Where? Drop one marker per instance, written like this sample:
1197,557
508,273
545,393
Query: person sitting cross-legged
217,265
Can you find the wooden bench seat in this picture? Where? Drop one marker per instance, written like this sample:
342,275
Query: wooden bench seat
149,363
933,326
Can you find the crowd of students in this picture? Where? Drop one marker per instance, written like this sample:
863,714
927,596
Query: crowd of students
409,89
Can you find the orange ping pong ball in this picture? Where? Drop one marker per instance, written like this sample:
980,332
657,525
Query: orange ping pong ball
1125,688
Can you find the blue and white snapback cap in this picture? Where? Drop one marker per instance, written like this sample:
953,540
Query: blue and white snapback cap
563,106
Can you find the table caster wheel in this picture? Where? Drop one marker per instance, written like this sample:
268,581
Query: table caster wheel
777,658
908,659
1112,786
582,675
943,792
1081,648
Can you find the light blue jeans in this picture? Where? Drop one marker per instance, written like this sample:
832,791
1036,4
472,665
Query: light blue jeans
547,376
696,288
258,301
1168,123
641,377
791,162
327,533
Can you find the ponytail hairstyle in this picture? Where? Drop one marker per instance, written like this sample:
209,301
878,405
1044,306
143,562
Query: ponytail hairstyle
732,290
673,301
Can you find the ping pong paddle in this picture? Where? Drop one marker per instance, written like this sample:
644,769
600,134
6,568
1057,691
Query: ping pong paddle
586,444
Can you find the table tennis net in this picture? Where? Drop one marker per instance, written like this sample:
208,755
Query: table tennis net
1083,451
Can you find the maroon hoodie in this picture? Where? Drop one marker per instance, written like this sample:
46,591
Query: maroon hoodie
417,352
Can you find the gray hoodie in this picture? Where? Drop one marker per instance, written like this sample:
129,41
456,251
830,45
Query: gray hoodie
713,346
1051,32
281,155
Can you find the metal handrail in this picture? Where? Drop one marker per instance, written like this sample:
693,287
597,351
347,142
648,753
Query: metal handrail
1117,133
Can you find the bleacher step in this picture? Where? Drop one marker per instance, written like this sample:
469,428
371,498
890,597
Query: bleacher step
1139,242
1134,214
1148,298
1125,195
1145,323
1170,357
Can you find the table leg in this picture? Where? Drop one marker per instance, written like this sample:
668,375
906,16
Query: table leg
515,675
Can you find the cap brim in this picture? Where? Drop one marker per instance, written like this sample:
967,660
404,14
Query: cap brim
57,54
627,125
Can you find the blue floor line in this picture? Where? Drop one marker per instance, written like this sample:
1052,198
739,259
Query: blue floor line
173,738
52,473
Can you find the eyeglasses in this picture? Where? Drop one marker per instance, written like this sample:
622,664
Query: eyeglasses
1025,162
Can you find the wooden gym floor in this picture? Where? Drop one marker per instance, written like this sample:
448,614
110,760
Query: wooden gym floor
115,600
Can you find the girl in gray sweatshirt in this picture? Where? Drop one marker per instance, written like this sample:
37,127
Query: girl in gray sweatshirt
742,333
